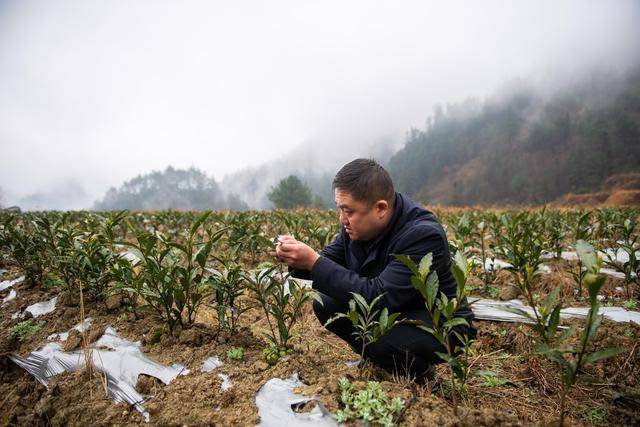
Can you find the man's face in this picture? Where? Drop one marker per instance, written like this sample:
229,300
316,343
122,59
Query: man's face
362,221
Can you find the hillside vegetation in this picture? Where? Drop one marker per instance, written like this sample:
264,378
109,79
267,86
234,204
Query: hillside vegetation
524,147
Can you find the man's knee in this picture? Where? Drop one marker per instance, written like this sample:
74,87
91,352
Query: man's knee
321,312
328,308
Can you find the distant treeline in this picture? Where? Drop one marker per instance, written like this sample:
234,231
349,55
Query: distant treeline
524,147
185,189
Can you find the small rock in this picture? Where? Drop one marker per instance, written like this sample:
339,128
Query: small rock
95,333
73,340
177,330
191,336
509,292
72,312
262,365
114,302
146,384
70,299
154,335
167,341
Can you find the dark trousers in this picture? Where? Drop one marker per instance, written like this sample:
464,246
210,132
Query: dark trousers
405,349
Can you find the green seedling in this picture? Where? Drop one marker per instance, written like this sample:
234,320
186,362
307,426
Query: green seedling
370,405
443,312
235,353
23,329
369,323
281,302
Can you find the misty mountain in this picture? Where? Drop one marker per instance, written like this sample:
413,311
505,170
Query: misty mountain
184,189
67,194
524,145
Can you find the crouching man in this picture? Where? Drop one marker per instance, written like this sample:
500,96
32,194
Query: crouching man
376,223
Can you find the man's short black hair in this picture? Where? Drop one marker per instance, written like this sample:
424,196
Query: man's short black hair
366,181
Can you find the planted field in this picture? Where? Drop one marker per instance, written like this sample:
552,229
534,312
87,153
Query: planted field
184,318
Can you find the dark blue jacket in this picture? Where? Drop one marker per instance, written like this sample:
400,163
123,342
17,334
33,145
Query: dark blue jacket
367,268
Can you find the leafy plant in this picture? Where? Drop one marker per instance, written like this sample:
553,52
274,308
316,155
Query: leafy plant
370,405
235,353
490,379
272,354
25,247
630,304
228,287
369,323
444,314
627,245
23,329
573,360
522,246
281,302
170,276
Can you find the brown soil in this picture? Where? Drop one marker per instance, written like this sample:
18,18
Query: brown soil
529,394
617,190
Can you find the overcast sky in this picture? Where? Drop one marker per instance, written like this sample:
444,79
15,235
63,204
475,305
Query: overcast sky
101,91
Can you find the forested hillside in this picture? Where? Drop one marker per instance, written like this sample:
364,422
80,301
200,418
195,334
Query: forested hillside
524,146
185,189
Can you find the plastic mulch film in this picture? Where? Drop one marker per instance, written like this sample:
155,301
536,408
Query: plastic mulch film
619,256
277,404
6,284
80,327
486,309
210,364
11,296
121,362
38,309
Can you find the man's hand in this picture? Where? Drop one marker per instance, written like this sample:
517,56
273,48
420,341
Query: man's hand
295,254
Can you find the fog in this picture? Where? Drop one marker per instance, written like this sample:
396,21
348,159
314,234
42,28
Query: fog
93,93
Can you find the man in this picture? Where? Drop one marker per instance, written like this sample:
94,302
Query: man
377,222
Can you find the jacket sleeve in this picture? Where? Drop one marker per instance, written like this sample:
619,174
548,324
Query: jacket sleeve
335,251
333,279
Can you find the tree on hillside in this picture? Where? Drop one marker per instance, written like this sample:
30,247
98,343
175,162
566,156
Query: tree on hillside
290,193
173,188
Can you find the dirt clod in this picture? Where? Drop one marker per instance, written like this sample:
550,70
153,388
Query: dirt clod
113,302
74,340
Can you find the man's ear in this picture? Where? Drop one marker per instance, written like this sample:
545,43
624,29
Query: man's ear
382,208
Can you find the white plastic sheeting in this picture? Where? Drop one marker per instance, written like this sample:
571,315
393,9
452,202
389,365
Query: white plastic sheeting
80,327
213,363
120,360
12,295
226,382
352,363
486,309
210,364
38,309
276,402
619,256
6,284
498,264
568,256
